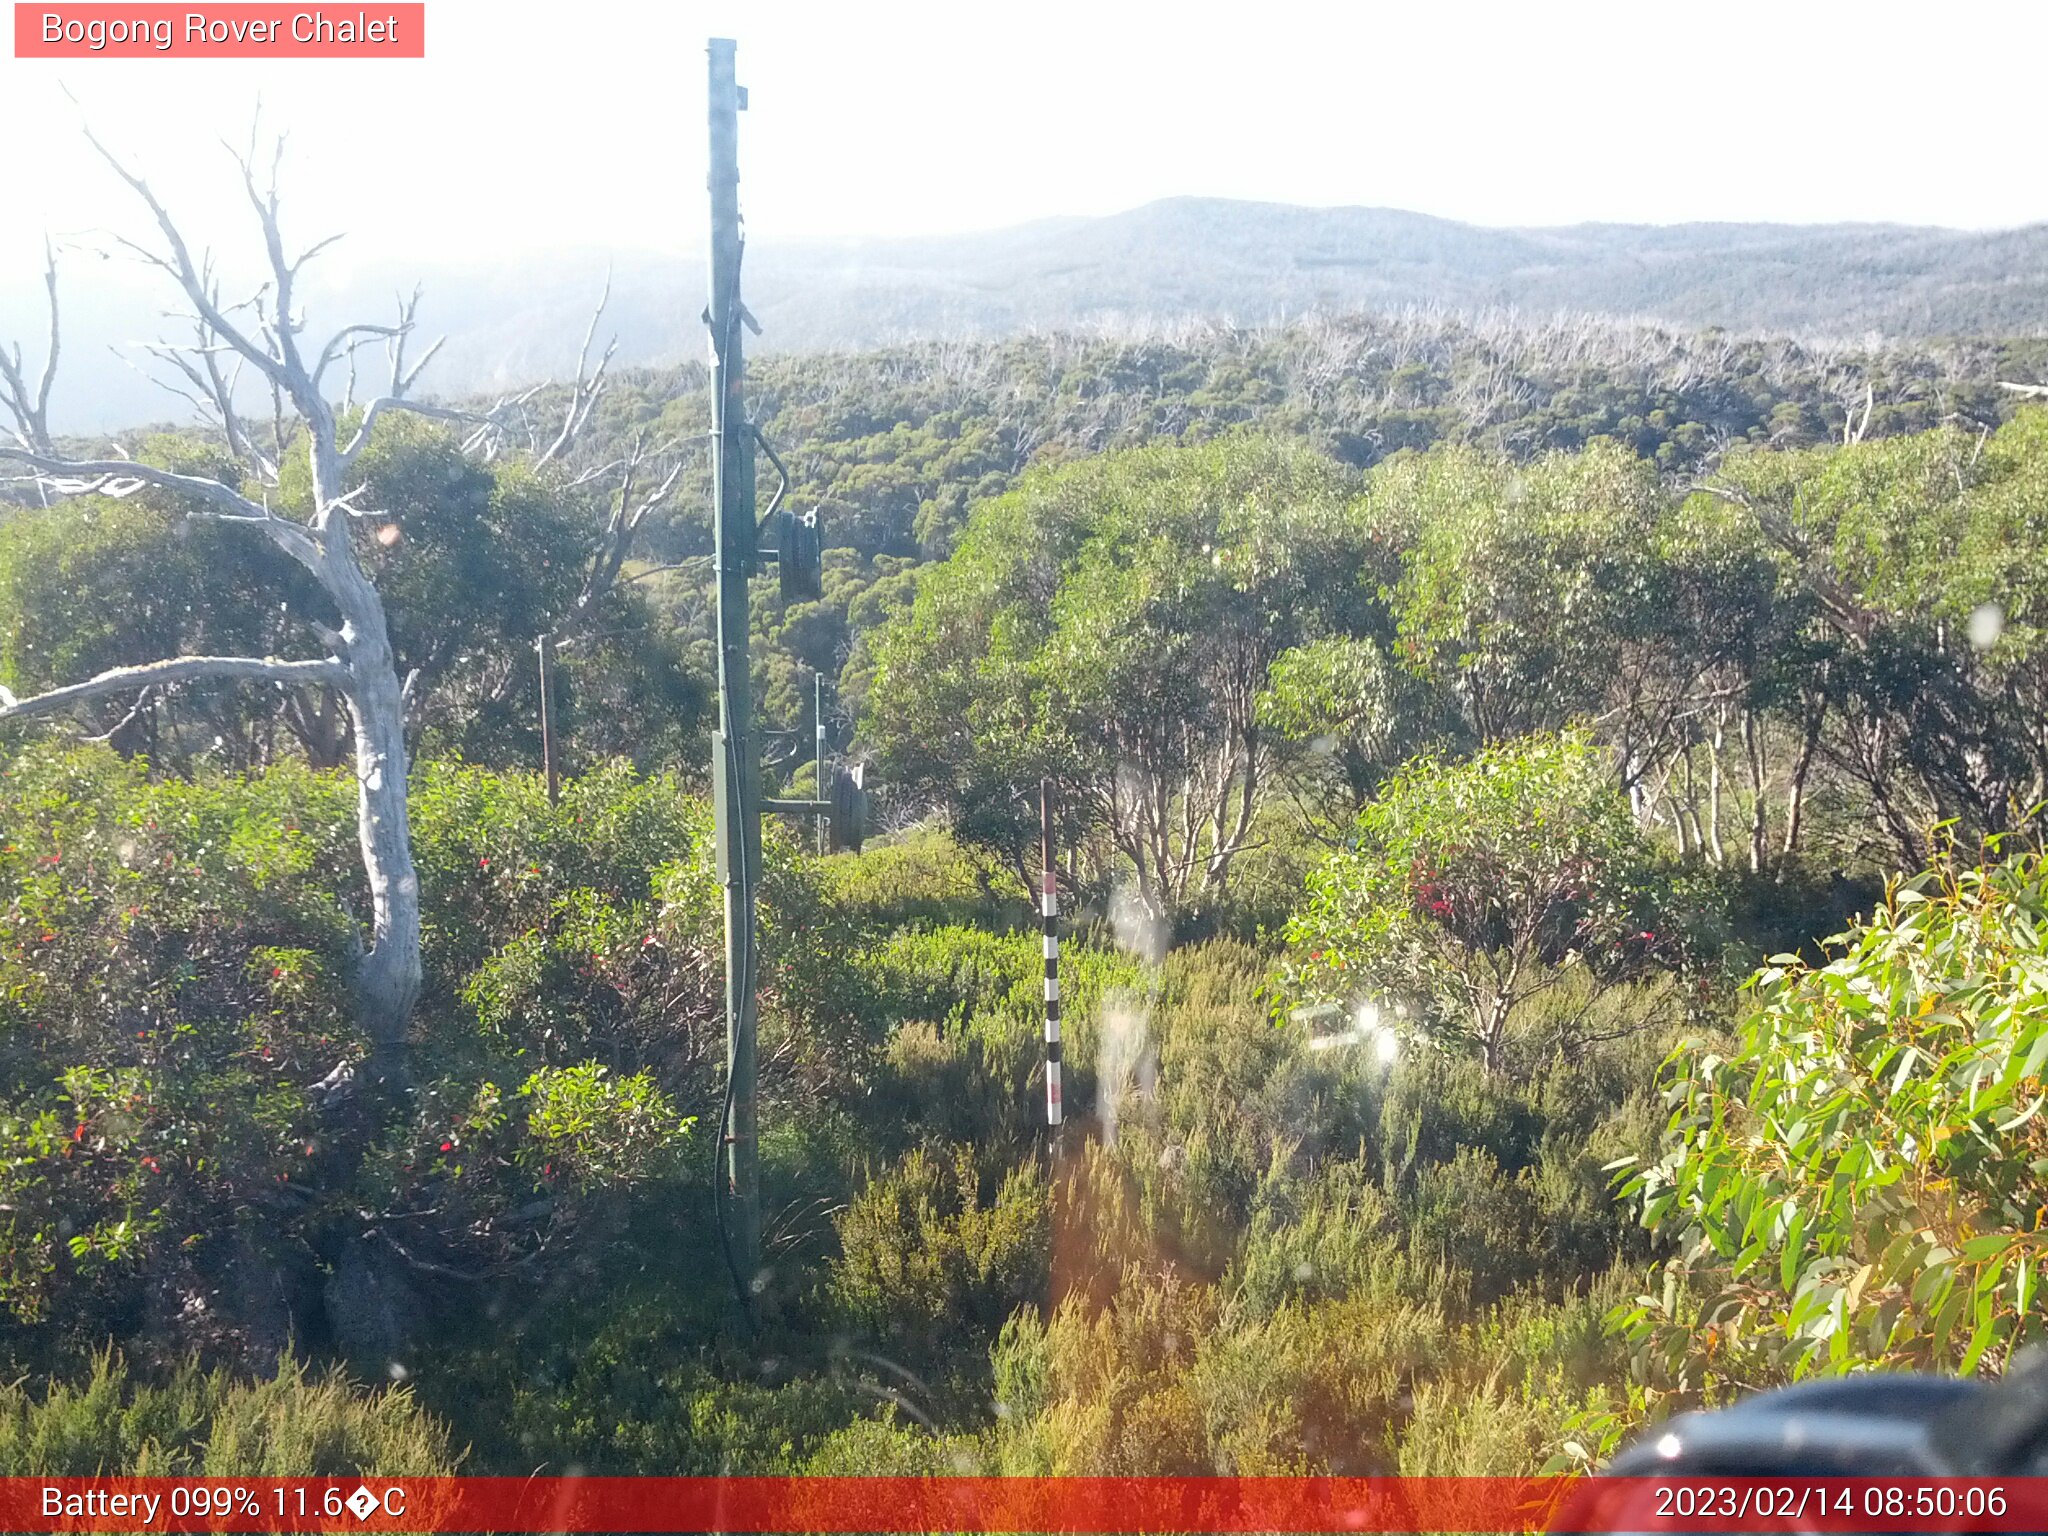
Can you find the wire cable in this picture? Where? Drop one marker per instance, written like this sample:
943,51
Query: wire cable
745,905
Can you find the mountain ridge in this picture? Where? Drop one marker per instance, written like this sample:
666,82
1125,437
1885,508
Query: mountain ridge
513,320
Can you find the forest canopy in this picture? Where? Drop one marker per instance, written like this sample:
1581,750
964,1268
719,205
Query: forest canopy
1483,759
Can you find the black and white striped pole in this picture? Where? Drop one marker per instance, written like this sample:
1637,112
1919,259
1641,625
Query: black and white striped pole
1049,912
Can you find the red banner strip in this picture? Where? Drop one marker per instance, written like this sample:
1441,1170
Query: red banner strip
378,30
1096,1506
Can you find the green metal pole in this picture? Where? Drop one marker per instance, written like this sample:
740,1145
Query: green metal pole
736,752
820,788
546,647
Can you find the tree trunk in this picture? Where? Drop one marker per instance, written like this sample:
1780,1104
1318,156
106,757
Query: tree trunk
388,979
1493,1035
1714,848
314,718
1795,793
1217,877
388,983
1753,752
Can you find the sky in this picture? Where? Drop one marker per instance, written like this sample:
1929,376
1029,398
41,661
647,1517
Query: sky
533,127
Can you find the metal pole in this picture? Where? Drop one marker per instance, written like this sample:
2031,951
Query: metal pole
546,646
736,752
821,790
1049,913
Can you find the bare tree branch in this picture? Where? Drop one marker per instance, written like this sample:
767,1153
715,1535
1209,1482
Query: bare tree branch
348,338
485,422
583,394
124,477
198,403
622,524
176,669
189,276
404,378
654,570
134,713
199,363
31,408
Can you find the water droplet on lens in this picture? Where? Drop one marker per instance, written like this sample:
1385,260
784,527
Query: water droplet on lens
1987,623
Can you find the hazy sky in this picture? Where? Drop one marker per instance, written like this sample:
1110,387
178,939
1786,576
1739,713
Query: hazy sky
536,126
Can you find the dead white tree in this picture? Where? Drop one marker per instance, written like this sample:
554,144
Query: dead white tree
628,506
262,337
588,388
637,483
30,407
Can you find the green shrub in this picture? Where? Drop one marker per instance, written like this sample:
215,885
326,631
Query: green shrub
1104,1392
171,964
1460,1428
196,1423
1471,1216
1859,1183
923,1255
1330,1235
1320,1387
925,878
888,1447
174,960
977,1001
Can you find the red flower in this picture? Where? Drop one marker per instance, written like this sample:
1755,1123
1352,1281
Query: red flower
447,1146
484,863
79,1134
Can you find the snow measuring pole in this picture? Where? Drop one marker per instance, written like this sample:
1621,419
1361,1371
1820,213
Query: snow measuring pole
736,758
1049,916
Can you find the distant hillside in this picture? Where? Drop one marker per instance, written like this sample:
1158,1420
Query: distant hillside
1258,261
1246,262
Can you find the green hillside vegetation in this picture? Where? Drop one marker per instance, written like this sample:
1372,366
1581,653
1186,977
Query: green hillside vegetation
1556,927
896,448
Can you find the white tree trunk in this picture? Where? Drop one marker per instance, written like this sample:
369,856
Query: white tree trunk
388,983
